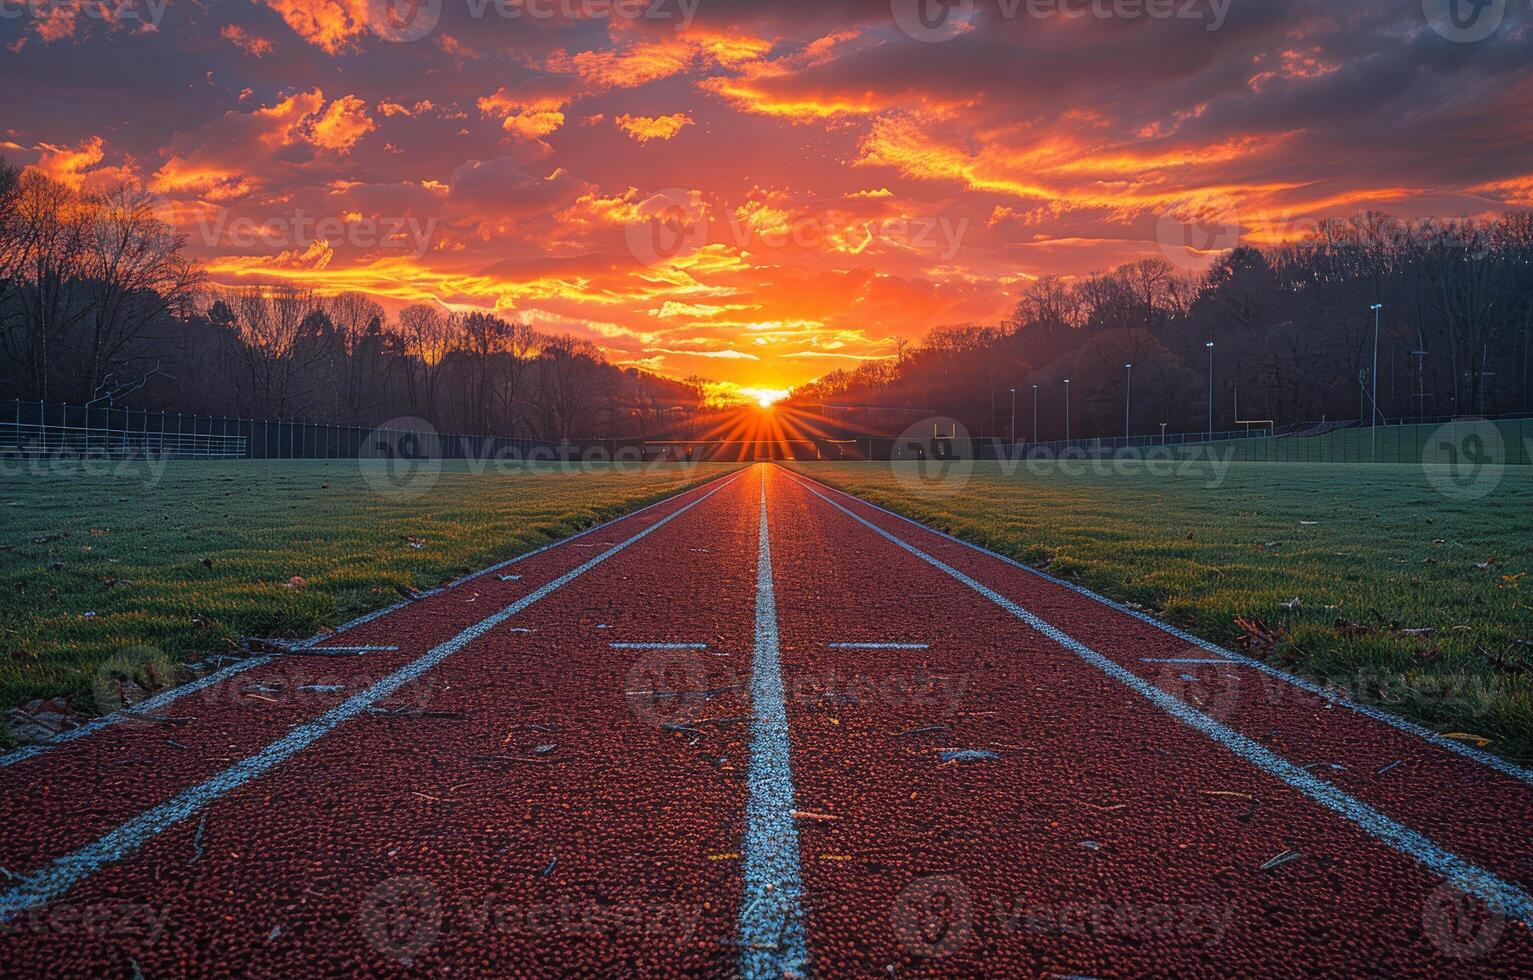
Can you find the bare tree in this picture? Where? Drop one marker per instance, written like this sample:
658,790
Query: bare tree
482,337
274,327
355,319
12,237
48,245
521,346
135,274
1476,291
569,382
427,342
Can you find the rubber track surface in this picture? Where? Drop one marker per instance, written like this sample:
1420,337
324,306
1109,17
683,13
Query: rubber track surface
578,786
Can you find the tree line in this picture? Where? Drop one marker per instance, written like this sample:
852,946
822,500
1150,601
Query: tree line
1292,329
99,304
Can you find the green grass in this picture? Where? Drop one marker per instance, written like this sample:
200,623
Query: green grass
1376,546
1509,442
94,569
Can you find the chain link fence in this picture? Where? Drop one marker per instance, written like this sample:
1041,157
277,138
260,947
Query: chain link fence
1504,439
30,428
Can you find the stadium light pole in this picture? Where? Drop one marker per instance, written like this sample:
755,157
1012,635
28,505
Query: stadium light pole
1210,346
1373,418
1013,416
1067,410
1035,413
1128,395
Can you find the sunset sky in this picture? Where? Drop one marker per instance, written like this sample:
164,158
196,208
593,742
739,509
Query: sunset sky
757,193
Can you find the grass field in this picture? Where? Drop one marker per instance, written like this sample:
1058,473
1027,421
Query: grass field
1369,552
92,567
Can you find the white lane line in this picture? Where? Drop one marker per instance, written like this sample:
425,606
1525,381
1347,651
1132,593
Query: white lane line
343,651
139,712
1330,696
877,646
658,646
149,706
1499,895
1187,660
773,940
56,878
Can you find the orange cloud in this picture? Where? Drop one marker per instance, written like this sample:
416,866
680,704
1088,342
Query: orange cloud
341,124
789,86
329,24
632,64
646,128
1295,64
56,21
536,108
532,110
396,109
625,68
239,153
1517,192
254,46
67,165
316,256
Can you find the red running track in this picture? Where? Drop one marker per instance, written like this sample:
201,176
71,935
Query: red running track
583,770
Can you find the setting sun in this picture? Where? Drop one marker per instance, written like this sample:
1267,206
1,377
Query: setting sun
765,397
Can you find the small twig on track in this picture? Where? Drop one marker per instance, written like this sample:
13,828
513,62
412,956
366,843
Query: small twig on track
176,721
511,758
1101,808
197,840
926,730
1278,860
410,711
709,693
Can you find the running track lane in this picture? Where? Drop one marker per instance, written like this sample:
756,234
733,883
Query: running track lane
585,834
378,846
1105,837
57,798
1439,787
